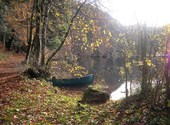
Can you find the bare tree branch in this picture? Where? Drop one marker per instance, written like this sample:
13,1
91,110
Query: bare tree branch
67,33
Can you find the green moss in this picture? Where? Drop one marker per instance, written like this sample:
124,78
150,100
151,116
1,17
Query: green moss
3,56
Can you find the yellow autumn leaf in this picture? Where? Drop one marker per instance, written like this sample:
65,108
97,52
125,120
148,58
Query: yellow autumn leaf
73,27
91,21
140,63
128,64
148,62
104,31
110,34
57,14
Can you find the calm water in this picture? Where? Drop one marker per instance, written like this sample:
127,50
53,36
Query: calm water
105,70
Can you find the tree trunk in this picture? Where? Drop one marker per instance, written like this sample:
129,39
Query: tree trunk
126,78
9,43
30,41
37,47
38,37
144,84
44,32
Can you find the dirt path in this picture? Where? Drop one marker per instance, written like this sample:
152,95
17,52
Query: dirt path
10,70
11,67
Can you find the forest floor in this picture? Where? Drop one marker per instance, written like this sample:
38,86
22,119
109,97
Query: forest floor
29,101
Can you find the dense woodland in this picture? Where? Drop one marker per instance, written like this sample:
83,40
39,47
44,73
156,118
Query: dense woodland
44,31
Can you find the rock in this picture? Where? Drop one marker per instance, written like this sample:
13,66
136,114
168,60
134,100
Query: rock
37,73
33,73
95,96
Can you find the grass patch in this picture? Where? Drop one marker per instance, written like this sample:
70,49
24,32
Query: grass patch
3,56
37,102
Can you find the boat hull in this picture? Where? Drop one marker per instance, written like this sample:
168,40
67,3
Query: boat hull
80,81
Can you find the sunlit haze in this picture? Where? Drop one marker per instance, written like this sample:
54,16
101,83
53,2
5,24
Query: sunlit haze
129,12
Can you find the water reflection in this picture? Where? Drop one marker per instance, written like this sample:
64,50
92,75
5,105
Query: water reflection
104,69
120,92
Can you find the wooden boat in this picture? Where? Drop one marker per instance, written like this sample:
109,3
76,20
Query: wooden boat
79,81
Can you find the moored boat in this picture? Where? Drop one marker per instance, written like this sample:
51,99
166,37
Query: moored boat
79,81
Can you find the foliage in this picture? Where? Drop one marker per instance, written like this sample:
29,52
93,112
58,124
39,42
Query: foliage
67,68
4,5
89,32
53,43
18,17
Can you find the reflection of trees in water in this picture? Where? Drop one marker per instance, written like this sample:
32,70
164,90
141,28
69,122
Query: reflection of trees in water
111,72
105,69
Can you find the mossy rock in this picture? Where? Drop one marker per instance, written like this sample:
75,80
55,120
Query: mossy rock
37,73
95,96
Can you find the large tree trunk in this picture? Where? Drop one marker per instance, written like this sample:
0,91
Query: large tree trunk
144,85
37,47
44,32
144,71
38,38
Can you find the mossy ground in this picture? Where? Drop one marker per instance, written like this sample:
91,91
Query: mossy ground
3,56
38,102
